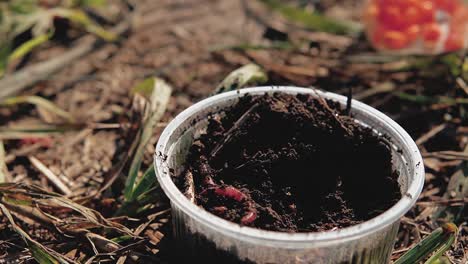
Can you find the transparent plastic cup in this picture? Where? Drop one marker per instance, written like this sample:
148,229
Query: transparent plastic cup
200,234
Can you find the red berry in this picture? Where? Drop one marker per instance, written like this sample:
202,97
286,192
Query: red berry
454,42
391,17
431,32
394,39
427,11
448,6
412,33
371,12
411,15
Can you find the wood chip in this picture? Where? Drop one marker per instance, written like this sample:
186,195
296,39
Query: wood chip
50,175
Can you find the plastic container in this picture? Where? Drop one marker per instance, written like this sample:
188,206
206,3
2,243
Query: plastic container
417,26
201,234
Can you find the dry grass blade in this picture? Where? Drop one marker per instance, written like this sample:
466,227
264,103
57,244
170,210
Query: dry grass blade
154,110
436,243
431,133
40,102
20,132
377,89
41,253
247,74
35,197
50,175
3,166
457,188
89,214
447,155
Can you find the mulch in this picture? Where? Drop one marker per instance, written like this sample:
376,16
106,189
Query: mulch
193,45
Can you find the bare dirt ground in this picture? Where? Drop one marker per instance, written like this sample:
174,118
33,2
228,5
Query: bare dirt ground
193,45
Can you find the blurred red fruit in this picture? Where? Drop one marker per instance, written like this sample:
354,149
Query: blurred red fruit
412,33
448,6
431,32
454,42
393,39
427,12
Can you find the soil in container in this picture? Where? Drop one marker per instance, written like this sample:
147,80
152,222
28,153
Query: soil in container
291,163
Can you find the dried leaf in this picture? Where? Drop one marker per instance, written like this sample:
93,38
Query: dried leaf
457,188
3,166
247,74
40,253
156,106
30,201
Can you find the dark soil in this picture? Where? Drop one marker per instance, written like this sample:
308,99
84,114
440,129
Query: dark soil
292,163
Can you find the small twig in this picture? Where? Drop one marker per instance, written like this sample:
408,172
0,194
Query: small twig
50,175
377,89
431,133
3,166
349,100
151,218
229,134
462,84
445,202
190,191
448,155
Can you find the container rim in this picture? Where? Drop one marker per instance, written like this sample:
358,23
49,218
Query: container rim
379,222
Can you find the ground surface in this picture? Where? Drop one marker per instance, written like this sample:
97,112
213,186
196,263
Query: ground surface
194,44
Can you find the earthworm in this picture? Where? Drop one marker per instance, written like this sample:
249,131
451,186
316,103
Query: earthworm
230,192
249,217
220,209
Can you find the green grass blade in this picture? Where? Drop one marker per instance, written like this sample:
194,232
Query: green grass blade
245,75
28,46
156,107
313,21
147,181
39,102
144,88
446,246
90,3
4,53
80,18
439,238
